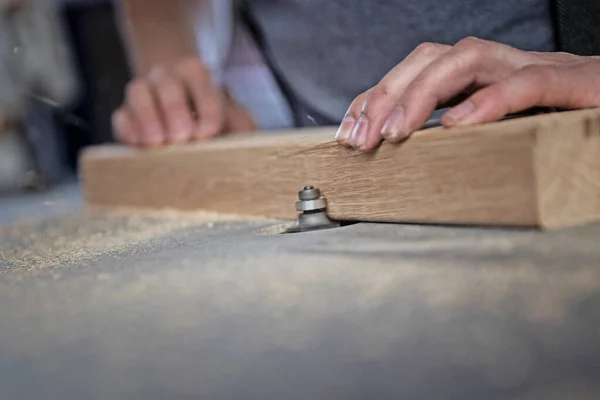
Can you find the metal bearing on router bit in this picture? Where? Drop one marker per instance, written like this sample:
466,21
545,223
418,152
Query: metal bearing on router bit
310,199
312,207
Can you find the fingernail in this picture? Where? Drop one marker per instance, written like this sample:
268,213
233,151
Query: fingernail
392,128
461,111
359,133
344,132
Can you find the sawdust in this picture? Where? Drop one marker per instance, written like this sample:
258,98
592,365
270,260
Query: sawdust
488,307
274,229
81,238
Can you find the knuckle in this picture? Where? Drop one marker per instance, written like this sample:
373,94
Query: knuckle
428,48
374,97
361,97
470,51
135,89
357,104
469,41
170,90
192,66
162,79
472,46
378,92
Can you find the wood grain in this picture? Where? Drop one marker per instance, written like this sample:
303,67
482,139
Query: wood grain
567,165
536,171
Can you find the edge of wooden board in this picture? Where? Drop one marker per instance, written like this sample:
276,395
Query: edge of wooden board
567,162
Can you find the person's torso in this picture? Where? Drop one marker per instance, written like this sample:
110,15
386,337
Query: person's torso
328,51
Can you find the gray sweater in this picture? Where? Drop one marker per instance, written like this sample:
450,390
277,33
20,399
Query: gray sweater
329,51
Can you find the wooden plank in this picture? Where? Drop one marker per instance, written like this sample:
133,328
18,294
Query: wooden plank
535,171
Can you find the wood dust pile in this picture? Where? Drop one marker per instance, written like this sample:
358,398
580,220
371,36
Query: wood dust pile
77,239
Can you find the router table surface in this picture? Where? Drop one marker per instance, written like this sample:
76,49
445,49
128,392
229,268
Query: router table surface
101,305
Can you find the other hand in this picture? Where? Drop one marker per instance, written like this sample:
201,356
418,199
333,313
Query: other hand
497,78
177,105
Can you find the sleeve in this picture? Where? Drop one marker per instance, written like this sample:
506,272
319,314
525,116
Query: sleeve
214,33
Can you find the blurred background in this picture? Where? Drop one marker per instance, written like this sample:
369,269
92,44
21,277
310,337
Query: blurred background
75,56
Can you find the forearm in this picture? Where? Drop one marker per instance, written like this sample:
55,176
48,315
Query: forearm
158,31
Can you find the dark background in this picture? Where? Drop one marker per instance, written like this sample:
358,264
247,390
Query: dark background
103,73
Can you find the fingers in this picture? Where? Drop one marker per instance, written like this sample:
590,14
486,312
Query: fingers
174,107
142,107
383,106
432,75
158,109
124,126
348,128
208,101
524,89
535,85
471,63
364,123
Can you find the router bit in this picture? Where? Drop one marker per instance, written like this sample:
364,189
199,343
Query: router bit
313,215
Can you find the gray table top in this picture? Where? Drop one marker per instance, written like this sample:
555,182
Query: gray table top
167,305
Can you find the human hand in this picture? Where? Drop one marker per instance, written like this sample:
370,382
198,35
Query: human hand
177,105
497,78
